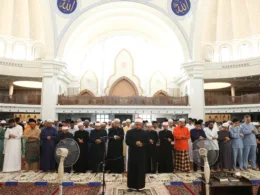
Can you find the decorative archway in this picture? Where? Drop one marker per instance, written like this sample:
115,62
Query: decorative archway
160,93
86,92
124,75
158,82
123,87
89,81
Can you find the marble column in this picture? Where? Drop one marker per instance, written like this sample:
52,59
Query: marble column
50,89
194,74
11,90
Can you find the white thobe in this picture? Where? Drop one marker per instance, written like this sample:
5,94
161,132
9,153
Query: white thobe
12,159
212,133
72,131
190,127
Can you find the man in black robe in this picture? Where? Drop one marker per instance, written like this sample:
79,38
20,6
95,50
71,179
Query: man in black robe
82,137
165,150
151,149
97,148
136,139
115,148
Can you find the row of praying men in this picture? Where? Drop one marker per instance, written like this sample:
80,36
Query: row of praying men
169,147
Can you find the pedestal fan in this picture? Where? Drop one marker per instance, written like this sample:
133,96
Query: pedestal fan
66,154
205,153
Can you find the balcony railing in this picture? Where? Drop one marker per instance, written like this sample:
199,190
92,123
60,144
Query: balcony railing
21,99
112,100
235,100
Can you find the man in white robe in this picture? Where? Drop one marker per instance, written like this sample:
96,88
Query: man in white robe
190,126
12,159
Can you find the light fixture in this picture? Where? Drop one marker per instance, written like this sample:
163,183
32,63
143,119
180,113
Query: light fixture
216,85
28,84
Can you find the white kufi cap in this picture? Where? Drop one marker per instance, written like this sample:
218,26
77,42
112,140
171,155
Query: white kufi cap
225,124
117,120
3,122
165,124
149,125
65,128
138,120
128,121
49,121
182,119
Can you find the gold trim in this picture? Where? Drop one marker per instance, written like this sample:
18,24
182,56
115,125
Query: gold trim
120,79
84,76
115,71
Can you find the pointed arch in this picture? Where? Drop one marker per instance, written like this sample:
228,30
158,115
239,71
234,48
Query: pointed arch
126,87
87,92
124,68
160,93
157,82
89,81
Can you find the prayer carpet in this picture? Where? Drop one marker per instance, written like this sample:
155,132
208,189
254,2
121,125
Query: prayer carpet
80,190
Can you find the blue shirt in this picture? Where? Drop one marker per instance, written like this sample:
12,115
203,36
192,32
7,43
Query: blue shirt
195,134
237,140
249,137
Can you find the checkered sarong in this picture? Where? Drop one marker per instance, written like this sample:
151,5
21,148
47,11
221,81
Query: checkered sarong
182,161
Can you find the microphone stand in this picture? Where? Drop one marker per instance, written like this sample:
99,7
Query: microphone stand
104,139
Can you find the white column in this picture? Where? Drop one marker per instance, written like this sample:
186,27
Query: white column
194,73
50,90
233,91
11,90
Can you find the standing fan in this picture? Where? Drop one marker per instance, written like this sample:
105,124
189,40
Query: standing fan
205,153
66,154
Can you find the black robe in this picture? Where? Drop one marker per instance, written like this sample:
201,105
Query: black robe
115,151
81,164
165,152
97,150
136,158
225,150
151,150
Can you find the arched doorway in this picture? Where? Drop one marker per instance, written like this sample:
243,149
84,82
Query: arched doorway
86,93
123,87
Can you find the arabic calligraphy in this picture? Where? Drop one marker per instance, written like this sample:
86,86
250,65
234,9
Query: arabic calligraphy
181,7
67,6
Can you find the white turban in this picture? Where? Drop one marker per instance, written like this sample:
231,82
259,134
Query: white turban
225,124
117,120
65,128
138,120
165,124
3,122
149,125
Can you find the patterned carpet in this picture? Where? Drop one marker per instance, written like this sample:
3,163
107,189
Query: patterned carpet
81,190
28,189
124,191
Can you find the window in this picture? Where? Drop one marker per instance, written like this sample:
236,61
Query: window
146,117
19,51
102,117
244,51
37,53
208,54
225,54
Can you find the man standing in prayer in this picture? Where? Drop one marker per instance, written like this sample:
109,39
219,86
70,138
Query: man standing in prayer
212,134
2,139
190,125
171,126
237,144
181,137
151,149
73,128
32,146
197,134
65,134
136,139
60,129
87,127
82,138
48,142
249,140
225,147
123,124
115,148
155,127
165,150
97,147
12,159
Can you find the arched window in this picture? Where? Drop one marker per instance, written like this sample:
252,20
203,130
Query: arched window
225,54
37,53
2,48
208,53
19,51
244,51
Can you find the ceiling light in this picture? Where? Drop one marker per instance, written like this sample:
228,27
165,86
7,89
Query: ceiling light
28,84
216,85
